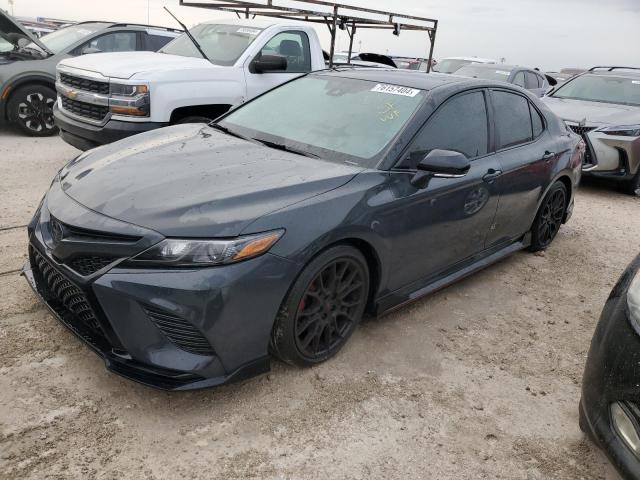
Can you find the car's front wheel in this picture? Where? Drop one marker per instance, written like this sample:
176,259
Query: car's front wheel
549,218
323,307
633,186
31,110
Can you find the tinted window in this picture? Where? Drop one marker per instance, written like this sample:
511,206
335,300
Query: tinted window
519,79
512,117
531,80
460,125
113,42
536,120
294,46
153,43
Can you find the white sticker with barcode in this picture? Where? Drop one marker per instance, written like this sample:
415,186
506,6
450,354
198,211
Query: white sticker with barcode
502,72
635,82
248,31
395,90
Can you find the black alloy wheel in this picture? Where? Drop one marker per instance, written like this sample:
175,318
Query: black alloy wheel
31,110
549,218
323,308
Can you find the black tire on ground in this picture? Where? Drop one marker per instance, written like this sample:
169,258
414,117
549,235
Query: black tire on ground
30,108
193,119
322,308
549,217
633,186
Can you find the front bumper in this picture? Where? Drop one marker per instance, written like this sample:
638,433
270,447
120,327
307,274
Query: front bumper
138,320
86,136
612,375
614,157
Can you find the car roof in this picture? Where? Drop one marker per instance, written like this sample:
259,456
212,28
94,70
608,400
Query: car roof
408,78
248,22
620,72
500,66
471,59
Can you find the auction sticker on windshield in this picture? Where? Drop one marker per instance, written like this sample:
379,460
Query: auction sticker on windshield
502,72
395,90
249,31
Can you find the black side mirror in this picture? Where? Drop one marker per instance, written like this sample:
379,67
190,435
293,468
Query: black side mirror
88,50
270,63
440,164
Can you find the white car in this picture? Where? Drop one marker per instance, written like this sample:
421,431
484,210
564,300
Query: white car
108,96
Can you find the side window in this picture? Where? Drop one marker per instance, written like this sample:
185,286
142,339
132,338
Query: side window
512,118
542,82
537,122
460,124
294,46
153,43
113,42
531,80
519,79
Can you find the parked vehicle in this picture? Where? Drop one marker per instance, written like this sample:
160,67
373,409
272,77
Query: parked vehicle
185,255
412,63
526,78
28,65
603,105
610,403
184,82
565,74
452,64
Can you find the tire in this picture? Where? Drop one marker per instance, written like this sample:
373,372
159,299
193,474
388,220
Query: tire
193,119
633,186
316,319
30,108
549,217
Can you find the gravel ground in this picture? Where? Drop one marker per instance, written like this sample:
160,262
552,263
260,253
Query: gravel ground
480,380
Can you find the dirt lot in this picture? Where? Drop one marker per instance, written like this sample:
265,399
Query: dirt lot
478,381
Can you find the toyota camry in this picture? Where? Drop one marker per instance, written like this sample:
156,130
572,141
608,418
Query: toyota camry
186,257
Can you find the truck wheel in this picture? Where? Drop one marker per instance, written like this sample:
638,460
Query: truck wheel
193,119
549,218
30,108
633,186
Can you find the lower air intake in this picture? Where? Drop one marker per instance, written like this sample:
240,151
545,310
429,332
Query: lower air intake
180,332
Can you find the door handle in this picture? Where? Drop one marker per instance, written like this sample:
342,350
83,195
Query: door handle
548,156
491,175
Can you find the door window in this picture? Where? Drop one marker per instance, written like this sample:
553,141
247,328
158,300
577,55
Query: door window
519,79
294,46
512,118
113,42
536,120
459,125
153,43
531,80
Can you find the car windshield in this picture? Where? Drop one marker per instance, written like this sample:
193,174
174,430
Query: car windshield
222,44
450,65
486,73
62,39
335,118
600,88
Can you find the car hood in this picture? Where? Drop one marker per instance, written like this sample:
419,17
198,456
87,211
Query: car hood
128,64
11,31
593,112
194,181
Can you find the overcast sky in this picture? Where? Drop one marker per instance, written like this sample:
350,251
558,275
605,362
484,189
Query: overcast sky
549,34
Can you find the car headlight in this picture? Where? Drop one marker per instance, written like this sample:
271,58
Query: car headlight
622,131
131,100
189,253
633,299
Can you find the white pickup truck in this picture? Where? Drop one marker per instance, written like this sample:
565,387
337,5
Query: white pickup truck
104,97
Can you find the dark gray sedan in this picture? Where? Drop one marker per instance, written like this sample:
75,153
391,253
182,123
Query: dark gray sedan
536,82
187,255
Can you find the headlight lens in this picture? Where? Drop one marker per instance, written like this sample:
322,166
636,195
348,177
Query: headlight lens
122,90
633,299
623,131
131,100
190,253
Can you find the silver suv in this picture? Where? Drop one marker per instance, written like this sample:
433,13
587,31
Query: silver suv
28,64
603,106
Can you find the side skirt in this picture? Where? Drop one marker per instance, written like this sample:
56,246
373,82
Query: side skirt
405,296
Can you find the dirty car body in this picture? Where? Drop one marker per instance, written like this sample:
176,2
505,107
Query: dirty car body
294,171
610,403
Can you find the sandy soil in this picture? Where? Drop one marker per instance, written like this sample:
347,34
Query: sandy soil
480,380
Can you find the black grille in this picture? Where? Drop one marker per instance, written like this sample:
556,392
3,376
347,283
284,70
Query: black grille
580,130
94,112
61,292
84,84
180,332
90,264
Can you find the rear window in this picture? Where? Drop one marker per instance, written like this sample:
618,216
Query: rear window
601,88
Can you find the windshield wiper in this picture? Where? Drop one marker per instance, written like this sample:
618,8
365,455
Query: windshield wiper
286,148
188,33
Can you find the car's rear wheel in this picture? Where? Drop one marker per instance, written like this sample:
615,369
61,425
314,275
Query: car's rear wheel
30,108
323,307
549,218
